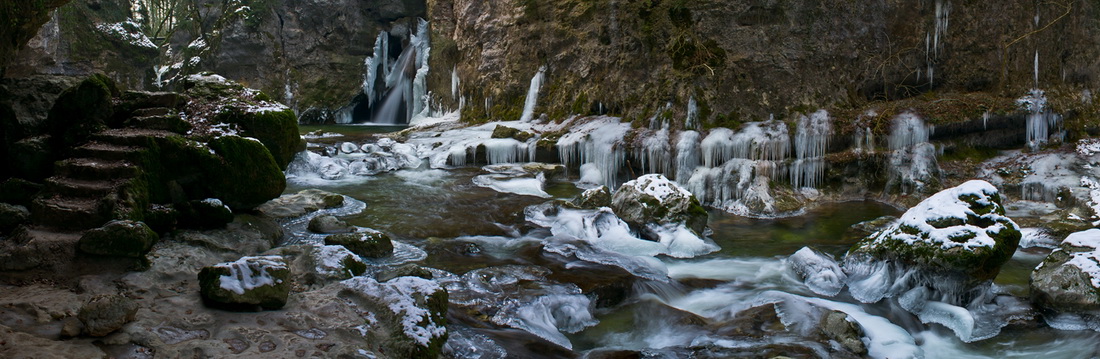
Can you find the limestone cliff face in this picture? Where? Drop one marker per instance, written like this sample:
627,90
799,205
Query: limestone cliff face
744,60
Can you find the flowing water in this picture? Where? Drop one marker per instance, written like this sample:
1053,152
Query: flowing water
519,290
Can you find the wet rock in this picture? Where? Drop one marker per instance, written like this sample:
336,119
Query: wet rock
838,326
404,270
329,224
655,199
866,228
209,213
1068,280
12,216
301,203
105,314
120,238
369,243
247,283
961,232
594,198
756,321
246,235
71,327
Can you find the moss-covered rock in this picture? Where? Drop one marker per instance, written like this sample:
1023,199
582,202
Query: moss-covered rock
653,198
961,230
369,243
417,326
277,128
107,313
594,198
319,265
1068,280
82,110
247,283
118,238
508,132
248,175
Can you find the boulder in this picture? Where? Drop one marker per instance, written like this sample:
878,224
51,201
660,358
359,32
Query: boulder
329,224
653,198
209,213
594,198
838,326
508,132
105,314
32,157
301,203
416,315
322,264
249,282
82,110
960,231
118,238
369,243
248,175
12,216
1068,280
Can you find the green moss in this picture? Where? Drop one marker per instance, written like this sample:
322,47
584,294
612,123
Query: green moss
118,239
270,296
248,175
277,130
82,110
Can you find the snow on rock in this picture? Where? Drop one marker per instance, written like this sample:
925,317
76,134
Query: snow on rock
958,237
527,180
256,281
128,31
417,306
1068,280
654,199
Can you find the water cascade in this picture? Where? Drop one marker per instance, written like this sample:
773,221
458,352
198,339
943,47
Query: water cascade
533,95
1041,120
394,91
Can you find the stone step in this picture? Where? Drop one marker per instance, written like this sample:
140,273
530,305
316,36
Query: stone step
130,136
70,213
95,169
165,123
153,111
80,188
108,151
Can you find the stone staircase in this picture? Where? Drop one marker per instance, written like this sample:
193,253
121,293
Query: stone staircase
91,187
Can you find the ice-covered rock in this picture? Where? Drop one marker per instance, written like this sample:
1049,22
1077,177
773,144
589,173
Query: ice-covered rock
1068,280
818,270
653,198
961,231
594,198
321,264
247,283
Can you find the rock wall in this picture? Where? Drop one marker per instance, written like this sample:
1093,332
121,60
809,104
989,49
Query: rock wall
746,60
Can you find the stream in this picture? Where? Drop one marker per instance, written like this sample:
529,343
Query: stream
516,290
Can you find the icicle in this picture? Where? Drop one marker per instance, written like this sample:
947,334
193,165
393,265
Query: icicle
597,146
532,95
687,155
1041,120
454,83
692,121
908,130
653,151
810,144
1036,71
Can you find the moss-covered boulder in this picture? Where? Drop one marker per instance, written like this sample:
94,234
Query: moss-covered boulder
248,175
416,315
246,284
594,198
82,110
209,213
118,238
319,265
1068,280
107,313
653,198
275,126
368,243
959,231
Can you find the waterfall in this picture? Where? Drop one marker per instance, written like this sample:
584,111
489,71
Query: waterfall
395,92
691,122
687,155
532,95
596,146
810,144
454,83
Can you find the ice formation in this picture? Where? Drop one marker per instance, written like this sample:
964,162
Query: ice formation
819,271
1042,123
533,95
598,142
810,143
400,295
913,160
